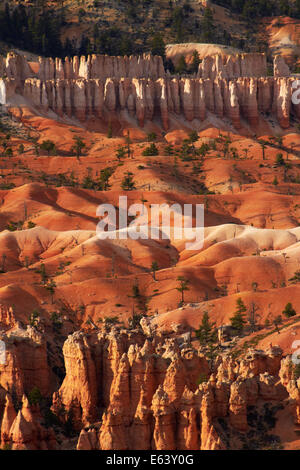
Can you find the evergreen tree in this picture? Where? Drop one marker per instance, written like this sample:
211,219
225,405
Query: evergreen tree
208,27
157,45
195,62
193,136
127,182
150,151
43,274
51,288
238,320
296,278
183,287
154,268
105,174
279,160
289,311
207,332
181,66
296,9
48,146
109,131
79,145
35,396
120,153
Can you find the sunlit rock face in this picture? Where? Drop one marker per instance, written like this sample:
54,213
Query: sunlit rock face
236,87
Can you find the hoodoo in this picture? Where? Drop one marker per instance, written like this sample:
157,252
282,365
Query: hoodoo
236,87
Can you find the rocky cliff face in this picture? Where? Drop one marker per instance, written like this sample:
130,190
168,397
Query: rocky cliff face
102,67
102,86
168,409
292,385
145,66
234,66
281,69
24,430
25,367
26,363
137,389
15,66
186,97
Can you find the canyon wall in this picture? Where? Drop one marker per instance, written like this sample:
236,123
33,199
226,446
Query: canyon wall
144,66
190,98
139,390
233,66
26,359
101,66
235,87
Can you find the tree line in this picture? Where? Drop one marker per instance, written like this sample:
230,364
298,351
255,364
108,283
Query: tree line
39,30
250,9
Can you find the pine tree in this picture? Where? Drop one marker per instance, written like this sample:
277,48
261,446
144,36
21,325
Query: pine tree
296,278
297,8
207,332
51,288
181,66
158,45
183,286
195,62
150,151
279,160
127,182
42,272
79,145
34,396
48,146
21,149
120,153
263,148
109,131
105,174
208,27
289,311
128,142
238,320
154,268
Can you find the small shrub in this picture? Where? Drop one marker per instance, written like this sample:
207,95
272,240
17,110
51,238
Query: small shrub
289,311
35,396
150,151
151,137
31,224
202,379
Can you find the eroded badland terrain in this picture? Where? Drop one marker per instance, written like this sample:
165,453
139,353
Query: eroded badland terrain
144,344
